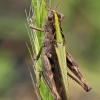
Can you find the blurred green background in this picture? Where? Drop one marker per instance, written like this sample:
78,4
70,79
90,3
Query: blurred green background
82,32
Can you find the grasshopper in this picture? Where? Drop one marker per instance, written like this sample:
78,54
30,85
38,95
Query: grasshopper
55,59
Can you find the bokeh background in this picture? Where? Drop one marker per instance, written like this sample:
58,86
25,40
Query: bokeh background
81,27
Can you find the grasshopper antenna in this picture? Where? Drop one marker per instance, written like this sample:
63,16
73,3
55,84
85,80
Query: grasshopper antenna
47,5
57,4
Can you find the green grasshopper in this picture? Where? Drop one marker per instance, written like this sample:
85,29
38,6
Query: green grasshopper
55,59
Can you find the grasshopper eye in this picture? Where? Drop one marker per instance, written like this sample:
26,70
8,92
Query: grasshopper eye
50,18
59,15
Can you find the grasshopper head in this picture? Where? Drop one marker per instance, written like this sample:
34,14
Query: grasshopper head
50,17
60,16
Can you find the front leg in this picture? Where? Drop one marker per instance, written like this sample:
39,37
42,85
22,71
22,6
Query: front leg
44,44
49,76
39,53
36,28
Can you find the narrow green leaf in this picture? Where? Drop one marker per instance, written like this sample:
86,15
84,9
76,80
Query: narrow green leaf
36,38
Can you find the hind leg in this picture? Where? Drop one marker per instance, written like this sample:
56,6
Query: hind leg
49,77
